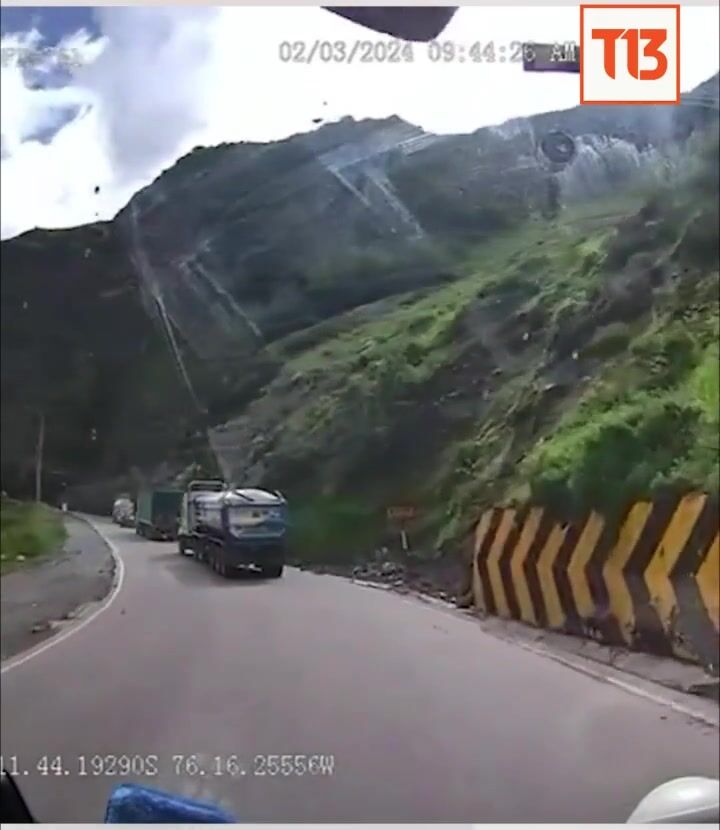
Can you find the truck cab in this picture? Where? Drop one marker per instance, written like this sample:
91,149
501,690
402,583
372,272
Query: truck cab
187,508
123,511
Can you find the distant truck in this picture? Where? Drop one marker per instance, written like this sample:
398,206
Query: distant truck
123,511
158,513
233,529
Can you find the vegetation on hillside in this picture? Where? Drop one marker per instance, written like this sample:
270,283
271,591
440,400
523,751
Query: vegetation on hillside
433,323
28,531
573,364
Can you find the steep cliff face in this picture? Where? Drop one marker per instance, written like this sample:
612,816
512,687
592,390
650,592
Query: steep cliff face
190,308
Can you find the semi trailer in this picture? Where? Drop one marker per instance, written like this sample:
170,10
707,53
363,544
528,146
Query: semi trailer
157,513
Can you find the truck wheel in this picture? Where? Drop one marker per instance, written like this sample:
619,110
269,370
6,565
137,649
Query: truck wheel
272,572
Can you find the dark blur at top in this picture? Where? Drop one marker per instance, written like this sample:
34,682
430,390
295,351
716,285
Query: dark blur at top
421,23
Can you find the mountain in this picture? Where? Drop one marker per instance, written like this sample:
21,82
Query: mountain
346,313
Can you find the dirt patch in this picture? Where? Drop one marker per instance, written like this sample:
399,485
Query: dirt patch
38,599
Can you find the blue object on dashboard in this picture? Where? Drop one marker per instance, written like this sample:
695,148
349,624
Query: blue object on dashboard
133,804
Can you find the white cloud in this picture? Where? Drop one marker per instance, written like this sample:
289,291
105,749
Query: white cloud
168,79
150,82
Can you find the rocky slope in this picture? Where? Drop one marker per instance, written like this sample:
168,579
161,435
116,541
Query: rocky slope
370,314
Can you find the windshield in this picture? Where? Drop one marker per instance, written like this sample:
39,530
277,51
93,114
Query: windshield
291,308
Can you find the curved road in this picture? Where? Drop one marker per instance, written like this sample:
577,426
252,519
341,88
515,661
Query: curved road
428,718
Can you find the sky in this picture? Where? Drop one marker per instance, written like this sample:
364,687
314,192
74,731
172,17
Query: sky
151,83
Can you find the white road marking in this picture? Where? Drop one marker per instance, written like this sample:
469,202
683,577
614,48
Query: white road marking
65,633
585,665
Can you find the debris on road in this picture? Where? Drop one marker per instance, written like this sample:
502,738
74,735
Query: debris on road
39,599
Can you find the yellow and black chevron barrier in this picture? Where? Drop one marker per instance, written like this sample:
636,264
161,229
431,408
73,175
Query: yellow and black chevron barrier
649,580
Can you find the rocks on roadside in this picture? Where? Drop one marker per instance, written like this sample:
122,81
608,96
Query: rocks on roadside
47,625
384,570
416,576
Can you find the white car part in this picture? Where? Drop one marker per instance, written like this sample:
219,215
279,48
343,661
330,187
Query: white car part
691,800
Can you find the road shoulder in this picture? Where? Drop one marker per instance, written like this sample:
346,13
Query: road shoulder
37,600
687,679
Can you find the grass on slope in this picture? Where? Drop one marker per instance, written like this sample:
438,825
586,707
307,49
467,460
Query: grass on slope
28,531
574,363
649,423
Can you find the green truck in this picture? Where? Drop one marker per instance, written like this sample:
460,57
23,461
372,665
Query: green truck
158,513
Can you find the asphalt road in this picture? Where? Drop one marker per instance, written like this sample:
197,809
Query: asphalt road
426,717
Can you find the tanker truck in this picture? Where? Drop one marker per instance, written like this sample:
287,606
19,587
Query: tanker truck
234,528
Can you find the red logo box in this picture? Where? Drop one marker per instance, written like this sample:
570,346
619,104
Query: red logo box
629,53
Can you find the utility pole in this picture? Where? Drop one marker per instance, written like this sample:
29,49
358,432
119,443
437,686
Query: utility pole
39,458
